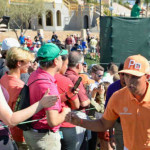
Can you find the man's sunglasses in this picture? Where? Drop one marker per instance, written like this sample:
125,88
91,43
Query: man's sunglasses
84,64
99,75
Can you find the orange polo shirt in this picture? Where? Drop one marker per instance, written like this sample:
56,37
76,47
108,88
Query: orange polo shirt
135,118
85,79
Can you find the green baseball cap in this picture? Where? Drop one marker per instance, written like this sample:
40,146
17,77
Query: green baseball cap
25,48
50,51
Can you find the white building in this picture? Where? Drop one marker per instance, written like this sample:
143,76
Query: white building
63,15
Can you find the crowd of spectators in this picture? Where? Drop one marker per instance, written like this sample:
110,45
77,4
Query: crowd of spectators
86,45
57,65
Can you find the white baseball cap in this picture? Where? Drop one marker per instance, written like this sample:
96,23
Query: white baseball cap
9,43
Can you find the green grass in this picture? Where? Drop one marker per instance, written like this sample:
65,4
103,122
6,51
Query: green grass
91,61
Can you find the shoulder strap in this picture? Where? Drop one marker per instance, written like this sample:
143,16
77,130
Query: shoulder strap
36,80
2,65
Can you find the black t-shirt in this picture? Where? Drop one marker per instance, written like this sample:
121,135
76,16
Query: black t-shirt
54,37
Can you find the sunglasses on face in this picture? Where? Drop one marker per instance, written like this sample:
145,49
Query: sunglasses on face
84,64
121,74
99,75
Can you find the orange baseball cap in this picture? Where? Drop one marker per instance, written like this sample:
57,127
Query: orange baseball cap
136,65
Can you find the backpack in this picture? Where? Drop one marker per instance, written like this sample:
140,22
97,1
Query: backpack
23,101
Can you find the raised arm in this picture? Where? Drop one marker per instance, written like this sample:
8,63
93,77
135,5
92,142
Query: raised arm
13,118
99,125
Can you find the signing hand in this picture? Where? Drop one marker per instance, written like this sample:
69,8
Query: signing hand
72,118
66,110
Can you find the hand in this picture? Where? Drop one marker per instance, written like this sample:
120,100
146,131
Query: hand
72,118
66,110
94,92
101,89
112,143
70,94
48,100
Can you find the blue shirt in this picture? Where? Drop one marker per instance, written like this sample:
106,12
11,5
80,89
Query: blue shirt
83,44
76,47
112,89
80,47
22,39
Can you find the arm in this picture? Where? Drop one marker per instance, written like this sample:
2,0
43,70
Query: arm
94,92
75,104
141,10
85,103
13,119
70,97
84,100
55,118
98,103
99,125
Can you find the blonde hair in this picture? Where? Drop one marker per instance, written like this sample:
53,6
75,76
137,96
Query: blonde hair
116,77
18,54
113,69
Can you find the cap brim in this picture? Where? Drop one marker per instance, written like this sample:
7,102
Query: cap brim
64,52
132,72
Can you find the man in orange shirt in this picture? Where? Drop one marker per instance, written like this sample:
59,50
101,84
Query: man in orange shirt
131,104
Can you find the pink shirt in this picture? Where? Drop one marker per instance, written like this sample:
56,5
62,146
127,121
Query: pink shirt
37,90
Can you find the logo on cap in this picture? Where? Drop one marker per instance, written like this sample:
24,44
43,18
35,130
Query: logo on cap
136,66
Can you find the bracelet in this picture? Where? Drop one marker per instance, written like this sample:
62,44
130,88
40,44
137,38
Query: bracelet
81,121
67,96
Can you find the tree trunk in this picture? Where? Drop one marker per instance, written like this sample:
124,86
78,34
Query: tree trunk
16,34
147,10
21,29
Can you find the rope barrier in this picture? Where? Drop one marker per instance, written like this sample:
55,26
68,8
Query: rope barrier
31,121
24,122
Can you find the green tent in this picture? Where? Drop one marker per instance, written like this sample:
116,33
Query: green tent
121,37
